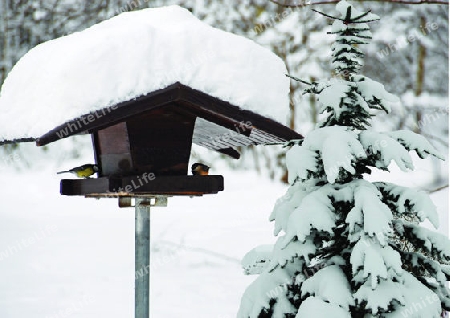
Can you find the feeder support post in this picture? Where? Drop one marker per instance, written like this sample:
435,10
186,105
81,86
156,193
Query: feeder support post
142,258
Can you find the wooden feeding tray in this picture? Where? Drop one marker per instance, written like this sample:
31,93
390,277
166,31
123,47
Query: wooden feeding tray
133,186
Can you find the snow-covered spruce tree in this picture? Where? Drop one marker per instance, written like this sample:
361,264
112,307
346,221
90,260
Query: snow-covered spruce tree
347,247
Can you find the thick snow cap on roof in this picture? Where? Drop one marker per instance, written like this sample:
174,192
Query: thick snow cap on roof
131,55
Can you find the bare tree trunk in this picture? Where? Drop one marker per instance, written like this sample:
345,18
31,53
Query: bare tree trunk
291,107
312,104
420,74
4,40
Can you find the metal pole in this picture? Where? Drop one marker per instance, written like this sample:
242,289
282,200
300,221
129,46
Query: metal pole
142,258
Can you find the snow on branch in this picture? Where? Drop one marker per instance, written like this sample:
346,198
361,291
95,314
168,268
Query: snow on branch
338,146
301,162
372,262
386,149
410,201
286,204
315,212
313,306
425,265
282,255
369,212
266,287
381,298
329,284
430,242
416,142
374,93
255,261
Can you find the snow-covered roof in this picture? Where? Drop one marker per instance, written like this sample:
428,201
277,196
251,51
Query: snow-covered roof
131,55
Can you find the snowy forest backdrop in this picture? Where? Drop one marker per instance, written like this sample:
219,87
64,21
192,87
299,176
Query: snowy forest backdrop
83,261
409,55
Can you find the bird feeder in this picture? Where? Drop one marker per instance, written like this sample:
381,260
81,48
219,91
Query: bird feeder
142,147
142,142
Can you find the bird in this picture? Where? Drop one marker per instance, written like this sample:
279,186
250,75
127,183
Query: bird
199,169
84,171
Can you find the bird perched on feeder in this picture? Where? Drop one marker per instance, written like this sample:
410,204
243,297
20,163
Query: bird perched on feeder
199,169
84,171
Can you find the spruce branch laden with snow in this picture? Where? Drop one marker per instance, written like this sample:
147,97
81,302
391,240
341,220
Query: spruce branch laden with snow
347,247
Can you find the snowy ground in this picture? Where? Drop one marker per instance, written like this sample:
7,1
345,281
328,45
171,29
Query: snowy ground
74,257
81,262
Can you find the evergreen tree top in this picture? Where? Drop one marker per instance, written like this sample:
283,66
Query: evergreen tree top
349,98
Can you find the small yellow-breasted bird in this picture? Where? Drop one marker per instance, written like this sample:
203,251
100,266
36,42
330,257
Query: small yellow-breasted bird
199,169
84,171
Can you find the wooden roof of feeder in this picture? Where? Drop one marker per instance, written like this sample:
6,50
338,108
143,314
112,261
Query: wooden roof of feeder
220,126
